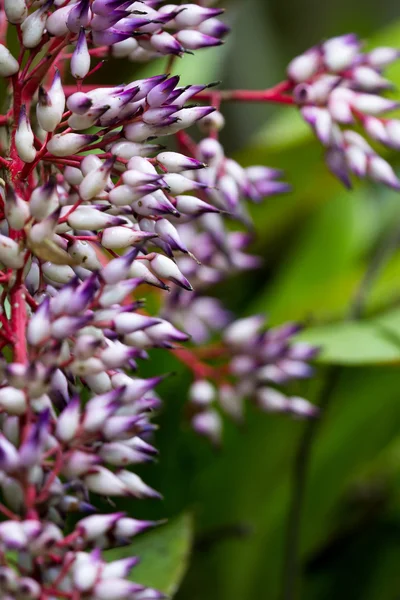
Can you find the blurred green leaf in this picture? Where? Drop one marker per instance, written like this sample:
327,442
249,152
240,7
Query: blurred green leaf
353,344
164,555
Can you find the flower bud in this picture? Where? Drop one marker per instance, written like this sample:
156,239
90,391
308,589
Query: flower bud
86,217
11,255
193,40
122,237
202,393
69,143
8,64
96,180
16,210
33,27
39,326
16,11
50,107
68,421
303,67
80,61
166,269
24,139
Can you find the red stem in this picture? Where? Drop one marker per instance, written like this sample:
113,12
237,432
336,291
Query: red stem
19,320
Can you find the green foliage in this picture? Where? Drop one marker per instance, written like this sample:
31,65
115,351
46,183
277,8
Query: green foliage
164,555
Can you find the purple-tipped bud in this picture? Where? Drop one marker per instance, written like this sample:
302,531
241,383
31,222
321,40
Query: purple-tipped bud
116,589
24,139
165,268
209,424
69,143
68,421
193,40
136,485
39,326
79,16
174,162
16,210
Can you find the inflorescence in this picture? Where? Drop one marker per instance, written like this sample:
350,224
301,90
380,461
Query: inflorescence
94,212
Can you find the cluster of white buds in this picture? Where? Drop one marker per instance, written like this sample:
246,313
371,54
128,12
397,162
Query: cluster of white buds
252,363
94,212
338,87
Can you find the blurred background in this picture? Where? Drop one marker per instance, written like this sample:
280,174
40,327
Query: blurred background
316,245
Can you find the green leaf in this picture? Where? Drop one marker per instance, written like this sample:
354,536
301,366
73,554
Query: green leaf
353,344
164,555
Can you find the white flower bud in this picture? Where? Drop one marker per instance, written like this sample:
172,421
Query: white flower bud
84,253
13,400
122,237
202,392
371,104
136,485
95,181
104,482
68,421
166,269
58,273
80,61
39,326
339,52
8,64
24,139
16,210
69,143
16,11
33,27
11,255
243,331
56,23
303,67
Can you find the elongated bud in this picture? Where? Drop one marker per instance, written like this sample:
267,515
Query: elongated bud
16,11
79,17
175,162
8,64
122,237
56,24
166,269
50,107
11,255
39,326
24,139
16,210
104,482
165,43
33,26
69,143
193,40
96,180
306,65
44,200
116,589
80,61
44,229
86,217
115,294
190,205
169,234
136,485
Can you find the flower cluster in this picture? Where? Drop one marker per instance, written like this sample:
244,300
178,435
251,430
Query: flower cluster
94,212
338,86
253,363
